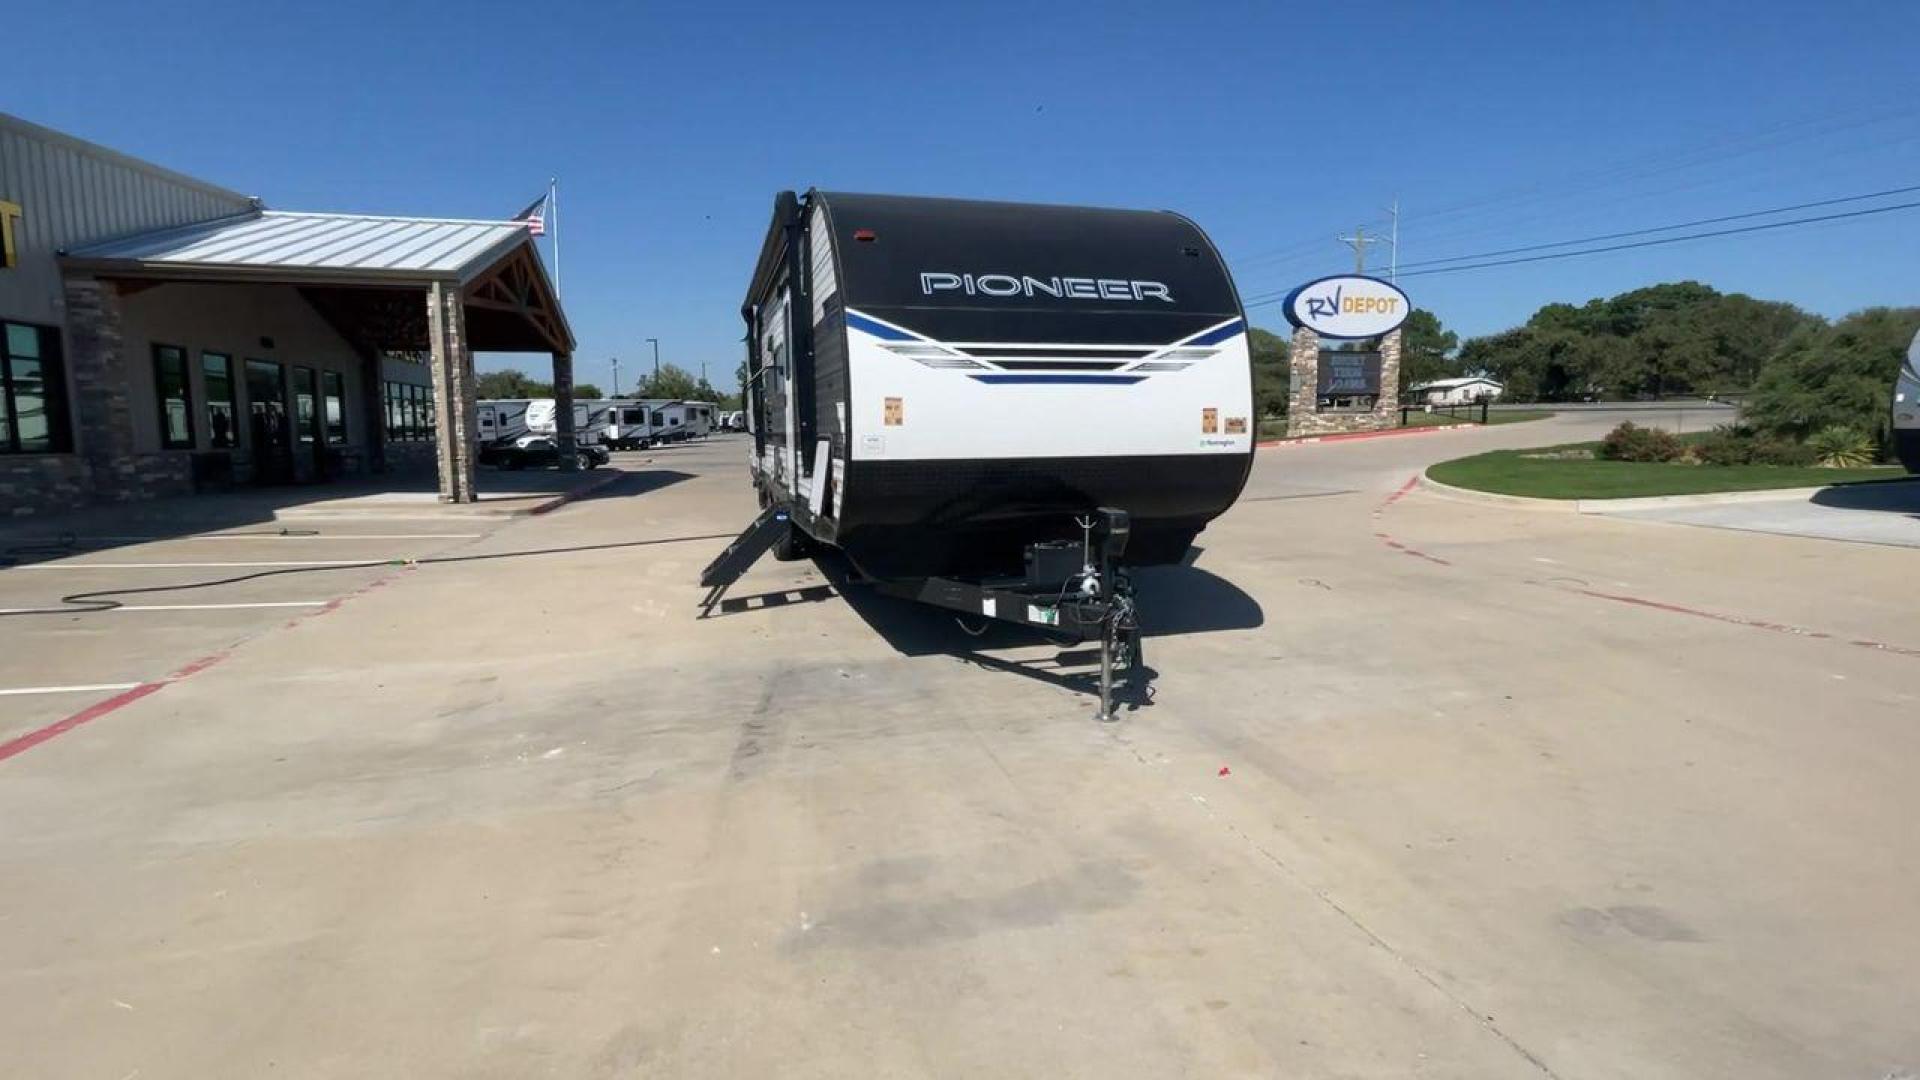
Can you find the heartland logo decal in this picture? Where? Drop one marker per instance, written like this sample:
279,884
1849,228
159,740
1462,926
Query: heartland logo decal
932,283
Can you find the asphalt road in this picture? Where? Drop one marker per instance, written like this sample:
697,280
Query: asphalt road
1425,787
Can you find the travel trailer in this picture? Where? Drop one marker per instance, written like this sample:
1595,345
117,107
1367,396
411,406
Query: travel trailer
996,408
1906,409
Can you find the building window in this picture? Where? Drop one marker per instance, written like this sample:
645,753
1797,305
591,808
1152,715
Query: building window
171,388
333,405
33,408
216,376
409,412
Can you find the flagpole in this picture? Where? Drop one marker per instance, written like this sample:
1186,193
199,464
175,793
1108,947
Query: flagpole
553,204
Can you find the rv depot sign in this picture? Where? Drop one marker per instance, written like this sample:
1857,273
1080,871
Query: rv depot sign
1353,388
1349,306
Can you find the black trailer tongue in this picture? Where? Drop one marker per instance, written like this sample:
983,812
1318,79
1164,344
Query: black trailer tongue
1077,592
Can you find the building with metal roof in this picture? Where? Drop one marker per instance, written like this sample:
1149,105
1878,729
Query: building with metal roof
160,335
317,246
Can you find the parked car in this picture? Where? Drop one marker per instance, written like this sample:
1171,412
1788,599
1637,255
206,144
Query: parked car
539,452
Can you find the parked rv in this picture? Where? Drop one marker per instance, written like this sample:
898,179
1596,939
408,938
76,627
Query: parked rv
501,420
1906,409
504,420
678,421
629,425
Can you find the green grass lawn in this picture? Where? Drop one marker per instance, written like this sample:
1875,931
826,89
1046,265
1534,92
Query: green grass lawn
1510,472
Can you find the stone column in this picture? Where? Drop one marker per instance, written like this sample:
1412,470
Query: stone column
102,384
563,433
442,391
455,413
1386,409
466,416
1303,387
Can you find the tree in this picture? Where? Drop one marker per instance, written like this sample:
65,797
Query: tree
1673,338
1424,349
1834,376
672,383
513,383
509,383
1271,376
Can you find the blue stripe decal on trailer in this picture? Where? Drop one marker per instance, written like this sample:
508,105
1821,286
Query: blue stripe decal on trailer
1214,337
1097,380
877,329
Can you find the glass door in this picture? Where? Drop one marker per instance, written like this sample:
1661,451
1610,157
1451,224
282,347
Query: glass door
306,423
267,422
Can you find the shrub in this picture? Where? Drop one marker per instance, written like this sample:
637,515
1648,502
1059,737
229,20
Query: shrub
1786,452
1630,442
1841,447
1734,445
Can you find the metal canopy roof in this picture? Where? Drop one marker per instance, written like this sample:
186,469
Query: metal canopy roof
334,247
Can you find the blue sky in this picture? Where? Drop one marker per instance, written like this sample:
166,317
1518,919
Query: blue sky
1276,126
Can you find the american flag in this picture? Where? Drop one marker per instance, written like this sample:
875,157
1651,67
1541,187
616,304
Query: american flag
535,215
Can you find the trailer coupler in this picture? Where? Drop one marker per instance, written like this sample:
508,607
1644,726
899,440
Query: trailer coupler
1077,592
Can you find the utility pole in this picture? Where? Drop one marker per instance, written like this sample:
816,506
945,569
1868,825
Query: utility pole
1358,242
1393,268
655,342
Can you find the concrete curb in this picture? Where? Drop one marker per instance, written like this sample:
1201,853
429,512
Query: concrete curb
1356,436
1647,502
422,511
1518,502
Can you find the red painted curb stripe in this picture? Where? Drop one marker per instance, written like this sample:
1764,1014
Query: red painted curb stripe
1641,601
1401,493
98,709
1742,620
1353,436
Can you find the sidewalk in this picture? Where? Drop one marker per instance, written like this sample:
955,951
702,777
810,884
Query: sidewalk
409,497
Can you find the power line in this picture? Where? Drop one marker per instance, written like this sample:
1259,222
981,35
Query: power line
1636,244
1668,228
1666,160
1676,239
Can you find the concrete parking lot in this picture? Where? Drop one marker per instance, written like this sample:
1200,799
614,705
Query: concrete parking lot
1425,787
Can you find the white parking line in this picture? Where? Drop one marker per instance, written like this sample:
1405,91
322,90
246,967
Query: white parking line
369,563
275,536
67,689
81,609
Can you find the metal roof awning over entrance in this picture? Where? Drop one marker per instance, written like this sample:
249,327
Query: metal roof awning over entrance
443,287
337,258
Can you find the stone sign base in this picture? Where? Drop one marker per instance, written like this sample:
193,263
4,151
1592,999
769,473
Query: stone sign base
1304,415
